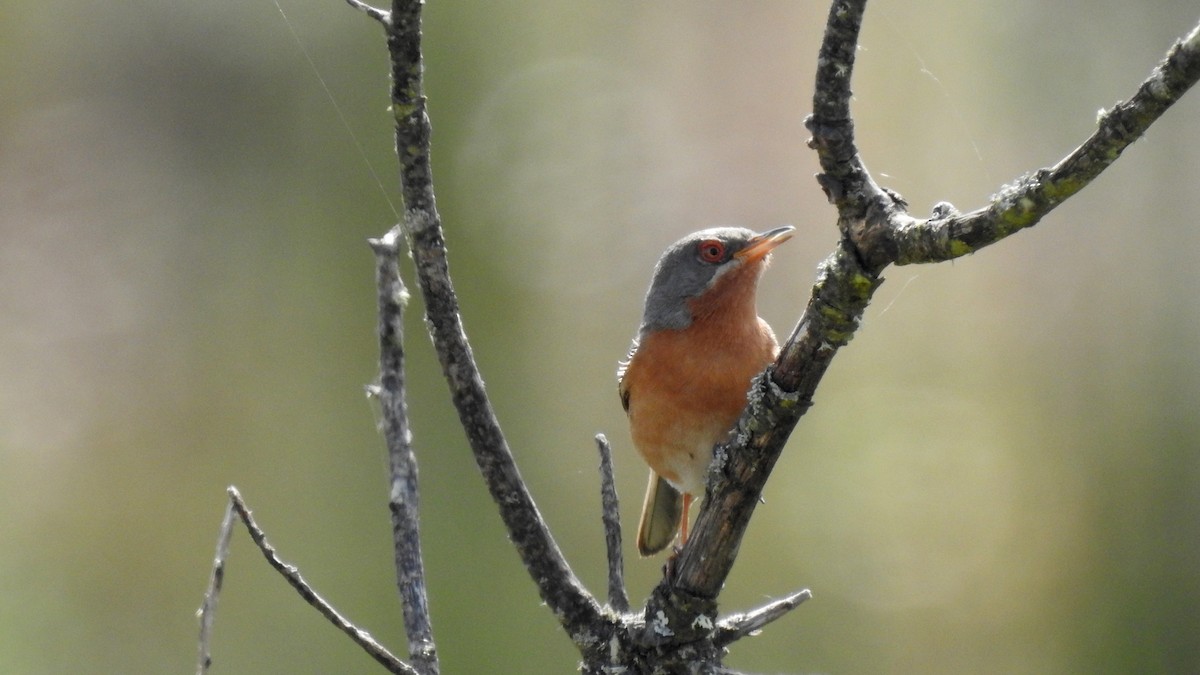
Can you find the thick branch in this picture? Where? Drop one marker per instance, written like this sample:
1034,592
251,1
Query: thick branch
577,610
404,501
831,103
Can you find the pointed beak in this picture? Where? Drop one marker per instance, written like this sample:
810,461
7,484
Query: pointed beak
758,247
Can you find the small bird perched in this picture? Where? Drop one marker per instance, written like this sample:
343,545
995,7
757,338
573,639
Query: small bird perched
685,381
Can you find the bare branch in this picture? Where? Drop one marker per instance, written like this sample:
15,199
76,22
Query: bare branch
737,626
208,610
611,515
404,500
360,637
876,232
1027,200
576,609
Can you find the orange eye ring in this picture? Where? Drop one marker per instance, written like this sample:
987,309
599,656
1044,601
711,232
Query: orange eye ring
712,250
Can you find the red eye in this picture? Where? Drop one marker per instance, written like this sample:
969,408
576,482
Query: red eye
712,250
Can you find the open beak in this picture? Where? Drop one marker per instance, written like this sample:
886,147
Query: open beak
758,247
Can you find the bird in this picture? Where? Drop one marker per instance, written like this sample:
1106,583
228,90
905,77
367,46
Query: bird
686,377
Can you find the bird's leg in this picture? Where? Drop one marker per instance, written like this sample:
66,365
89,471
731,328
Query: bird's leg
669,566
683,524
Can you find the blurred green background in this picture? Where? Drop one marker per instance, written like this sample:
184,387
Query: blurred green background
1001,474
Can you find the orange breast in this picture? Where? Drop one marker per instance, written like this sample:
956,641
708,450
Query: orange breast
687,387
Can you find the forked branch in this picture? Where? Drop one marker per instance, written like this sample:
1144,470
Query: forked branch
876,232
238,507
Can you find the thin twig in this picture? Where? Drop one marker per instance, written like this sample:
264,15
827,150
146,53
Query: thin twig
404,500
737,626
577,611
379,15
208,610
618,599
360,637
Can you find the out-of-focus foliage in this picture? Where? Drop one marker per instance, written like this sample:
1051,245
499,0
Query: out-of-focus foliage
1001,473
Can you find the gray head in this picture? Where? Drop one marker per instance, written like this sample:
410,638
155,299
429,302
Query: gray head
694,264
